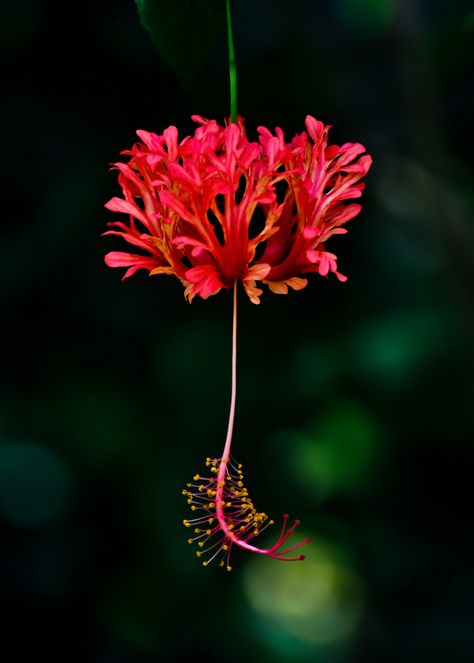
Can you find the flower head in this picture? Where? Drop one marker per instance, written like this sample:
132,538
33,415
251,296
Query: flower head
206,209
216,209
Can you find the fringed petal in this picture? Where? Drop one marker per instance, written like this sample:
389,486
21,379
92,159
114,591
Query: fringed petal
197,201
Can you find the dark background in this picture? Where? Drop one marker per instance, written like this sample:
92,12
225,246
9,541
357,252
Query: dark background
355,410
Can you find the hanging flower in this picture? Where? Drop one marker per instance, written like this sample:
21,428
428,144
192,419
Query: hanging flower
207,209
217,209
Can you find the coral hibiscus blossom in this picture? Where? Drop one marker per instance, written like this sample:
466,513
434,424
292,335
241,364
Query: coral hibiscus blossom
216,209
207,208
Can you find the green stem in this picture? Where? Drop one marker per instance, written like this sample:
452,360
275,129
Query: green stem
232,68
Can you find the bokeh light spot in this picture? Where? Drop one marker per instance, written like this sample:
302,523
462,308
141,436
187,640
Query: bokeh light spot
367,16
338,455
34,484
319,602
394,348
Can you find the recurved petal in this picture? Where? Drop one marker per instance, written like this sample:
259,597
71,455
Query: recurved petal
131,239
131,260
205,280
297,283
119,205
167,198
162,270
171,139
281,287
257,272
152,141
198,247
345,213
315,128
348,152
179,173
252,291
278,287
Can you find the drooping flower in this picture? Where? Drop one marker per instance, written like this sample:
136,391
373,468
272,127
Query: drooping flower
217,209
207,209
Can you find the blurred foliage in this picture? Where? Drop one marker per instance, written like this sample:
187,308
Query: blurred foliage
185,32
354,410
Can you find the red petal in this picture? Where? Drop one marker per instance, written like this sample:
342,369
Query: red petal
120,205
135,262
206,280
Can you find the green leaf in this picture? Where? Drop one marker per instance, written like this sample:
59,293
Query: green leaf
185,31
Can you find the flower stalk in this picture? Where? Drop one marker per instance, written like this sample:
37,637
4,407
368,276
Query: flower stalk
230,426
232,67
229,516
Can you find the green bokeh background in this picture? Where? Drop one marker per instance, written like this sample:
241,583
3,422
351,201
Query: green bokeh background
355,405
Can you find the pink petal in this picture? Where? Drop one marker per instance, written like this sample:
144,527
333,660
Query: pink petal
206,280
131,239
315,128
152,141
167,198
135,262
120,205
171,139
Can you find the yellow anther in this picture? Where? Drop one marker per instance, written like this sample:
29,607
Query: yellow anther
201,488
225,547
272,522
196,477
198,553
229,568
189,485
184,492
197,530
205,563
240,484
190,540
211,520
229,504
211,505
186,523
208,532
200,544
193,508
